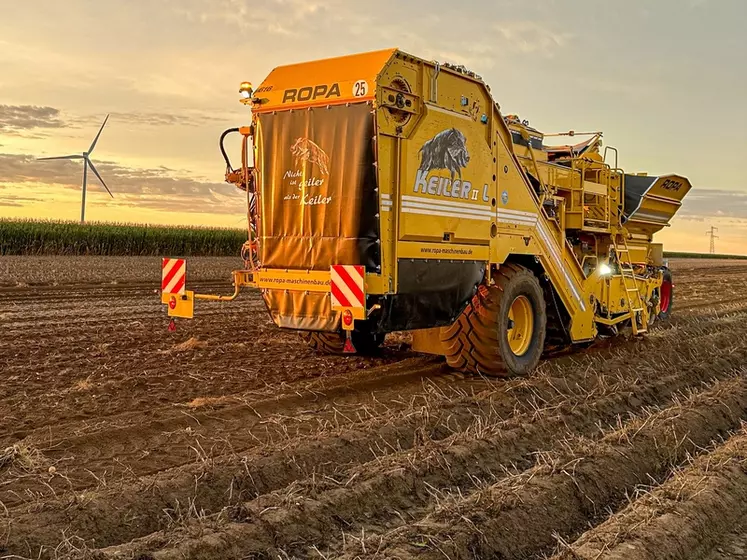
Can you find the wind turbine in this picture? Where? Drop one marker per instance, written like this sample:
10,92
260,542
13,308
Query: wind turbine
86,164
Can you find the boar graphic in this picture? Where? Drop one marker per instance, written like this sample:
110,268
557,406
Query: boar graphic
304,150
447,150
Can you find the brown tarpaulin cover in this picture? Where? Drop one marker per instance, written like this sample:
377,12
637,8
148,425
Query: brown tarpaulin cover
318,200
318,179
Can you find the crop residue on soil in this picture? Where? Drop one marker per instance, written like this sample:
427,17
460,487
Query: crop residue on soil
231,439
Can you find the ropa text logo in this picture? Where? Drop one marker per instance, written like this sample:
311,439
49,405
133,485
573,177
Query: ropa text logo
671,185
310,93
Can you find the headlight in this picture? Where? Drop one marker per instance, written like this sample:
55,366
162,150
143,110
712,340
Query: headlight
605,269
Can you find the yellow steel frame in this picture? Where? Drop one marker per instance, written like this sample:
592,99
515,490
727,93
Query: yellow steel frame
497,217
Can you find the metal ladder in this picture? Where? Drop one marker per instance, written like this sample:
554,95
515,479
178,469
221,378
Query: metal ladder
635,301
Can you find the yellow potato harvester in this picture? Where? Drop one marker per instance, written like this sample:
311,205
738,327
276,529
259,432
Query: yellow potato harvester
388,193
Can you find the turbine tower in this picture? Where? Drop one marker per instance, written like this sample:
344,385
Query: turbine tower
86,164
712,233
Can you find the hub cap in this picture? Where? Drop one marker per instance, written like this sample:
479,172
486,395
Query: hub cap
520,325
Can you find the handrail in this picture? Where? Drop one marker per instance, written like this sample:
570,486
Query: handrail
572,133
612,148
543,186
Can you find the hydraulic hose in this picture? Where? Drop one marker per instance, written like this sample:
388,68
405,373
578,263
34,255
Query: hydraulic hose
223,149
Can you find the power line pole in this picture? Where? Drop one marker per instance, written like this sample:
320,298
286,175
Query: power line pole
714,237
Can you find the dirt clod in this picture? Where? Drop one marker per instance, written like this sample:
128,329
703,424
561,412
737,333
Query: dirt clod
21,456
192,343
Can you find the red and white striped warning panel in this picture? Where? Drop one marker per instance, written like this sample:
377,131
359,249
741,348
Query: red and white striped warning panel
173,276
348,287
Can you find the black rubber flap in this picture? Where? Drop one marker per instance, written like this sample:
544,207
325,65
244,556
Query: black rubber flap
432,293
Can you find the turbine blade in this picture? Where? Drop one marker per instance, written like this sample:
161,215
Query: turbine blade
59,157
93,144
90,164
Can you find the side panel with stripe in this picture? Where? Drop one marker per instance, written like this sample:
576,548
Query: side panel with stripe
425,218
516,217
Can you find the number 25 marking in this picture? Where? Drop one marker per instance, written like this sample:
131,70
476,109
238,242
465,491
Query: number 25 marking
360,88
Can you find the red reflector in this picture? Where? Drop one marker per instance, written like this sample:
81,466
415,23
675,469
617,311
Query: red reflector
172,302
347,317
172,326
349,348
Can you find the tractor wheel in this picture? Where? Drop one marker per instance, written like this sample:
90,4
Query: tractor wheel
502,330
666,297
334,342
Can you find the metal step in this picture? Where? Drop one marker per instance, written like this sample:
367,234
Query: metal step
627,276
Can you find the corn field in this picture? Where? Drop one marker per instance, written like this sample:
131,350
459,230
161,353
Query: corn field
31,237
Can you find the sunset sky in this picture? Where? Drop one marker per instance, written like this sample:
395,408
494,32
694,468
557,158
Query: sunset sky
666,80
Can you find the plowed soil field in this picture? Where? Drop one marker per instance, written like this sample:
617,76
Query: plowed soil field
229,439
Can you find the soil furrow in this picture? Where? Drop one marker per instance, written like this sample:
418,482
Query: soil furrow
683,519
183,435
225,483
183,430
437,418
230,429
513,442
525,515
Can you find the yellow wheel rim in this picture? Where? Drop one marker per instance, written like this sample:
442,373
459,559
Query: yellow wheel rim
520,325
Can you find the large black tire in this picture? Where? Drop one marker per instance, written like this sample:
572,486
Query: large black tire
477,342
334,342
666,297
